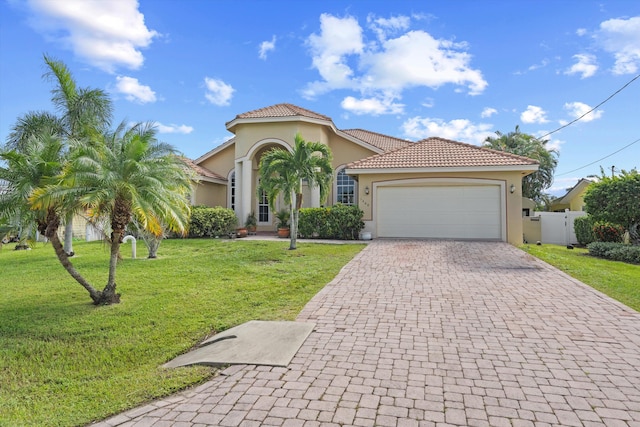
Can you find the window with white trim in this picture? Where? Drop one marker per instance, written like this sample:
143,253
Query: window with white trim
345,189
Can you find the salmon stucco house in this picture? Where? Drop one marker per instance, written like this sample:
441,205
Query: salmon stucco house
434,188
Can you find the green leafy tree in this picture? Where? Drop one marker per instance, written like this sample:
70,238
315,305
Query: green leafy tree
616,200
283,171
522,144
83,114
129,175
34,168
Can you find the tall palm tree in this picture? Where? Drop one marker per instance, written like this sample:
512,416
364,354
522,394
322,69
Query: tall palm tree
522,144
131,175
28,171
83,113
283,172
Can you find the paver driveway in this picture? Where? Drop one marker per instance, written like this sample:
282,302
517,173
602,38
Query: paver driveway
436,333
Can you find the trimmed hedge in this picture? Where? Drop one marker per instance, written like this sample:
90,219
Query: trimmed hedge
615,251
583,227
212,222
341,222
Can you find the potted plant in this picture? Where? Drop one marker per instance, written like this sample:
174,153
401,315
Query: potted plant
251,223
283,223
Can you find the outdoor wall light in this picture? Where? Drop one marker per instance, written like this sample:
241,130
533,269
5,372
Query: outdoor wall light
512,188
366,190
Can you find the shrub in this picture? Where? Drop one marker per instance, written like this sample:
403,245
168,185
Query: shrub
608,232
211,222
615,251
336,222
583,227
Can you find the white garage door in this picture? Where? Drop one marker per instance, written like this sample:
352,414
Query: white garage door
444,212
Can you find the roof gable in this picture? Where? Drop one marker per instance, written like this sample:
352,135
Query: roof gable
278,112
441,153
203,173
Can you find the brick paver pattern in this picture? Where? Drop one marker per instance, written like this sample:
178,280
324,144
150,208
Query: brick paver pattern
436,333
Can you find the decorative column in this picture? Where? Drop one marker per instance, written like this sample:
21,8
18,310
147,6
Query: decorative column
239,186
315,196
245,195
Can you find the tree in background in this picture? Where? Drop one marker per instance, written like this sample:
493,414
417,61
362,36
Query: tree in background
83,114
616,200
522,144
283,172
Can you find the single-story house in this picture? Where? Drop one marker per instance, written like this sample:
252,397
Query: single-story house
434,188
573,200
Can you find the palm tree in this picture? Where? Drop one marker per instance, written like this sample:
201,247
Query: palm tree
522,144
29,171
131,175
283,172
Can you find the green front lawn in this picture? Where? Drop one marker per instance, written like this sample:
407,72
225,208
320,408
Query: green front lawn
619,280
65,362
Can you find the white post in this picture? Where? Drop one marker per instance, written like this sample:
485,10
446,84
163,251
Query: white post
133,244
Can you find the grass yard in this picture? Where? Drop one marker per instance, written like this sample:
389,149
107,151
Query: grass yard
618,280
65,362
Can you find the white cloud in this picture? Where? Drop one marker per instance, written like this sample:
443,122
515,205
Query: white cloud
542,64
621,37
577,109
372,106
555,144
218,92
488,112
581,32
585,65
184,129
338,38
383,27
533,114
384,67
105,34
457,130
267,46
134,91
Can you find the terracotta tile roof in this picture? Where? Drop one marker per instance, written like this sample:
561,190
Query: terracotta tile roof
202,171
282,110
383,142
440,153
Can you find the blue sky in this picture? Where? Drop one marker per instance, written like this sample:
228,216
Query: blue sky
411,69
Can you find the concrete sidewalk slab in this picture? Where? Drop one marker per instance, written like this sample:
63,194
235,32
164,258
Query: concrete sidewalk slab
252,343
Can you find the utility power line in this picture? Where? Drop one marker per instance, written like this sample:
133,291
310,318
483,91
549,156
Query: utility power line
599,160
593,109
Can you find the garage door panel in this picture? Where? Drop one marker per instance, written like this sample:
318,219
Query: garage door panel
458,212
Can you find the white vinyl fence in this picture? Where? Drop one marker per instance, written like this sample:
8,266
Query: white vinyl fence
557,227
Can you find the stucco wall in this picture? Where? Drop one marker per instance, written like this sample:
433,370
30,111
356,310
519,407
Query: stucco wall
513,201
210,194
222,162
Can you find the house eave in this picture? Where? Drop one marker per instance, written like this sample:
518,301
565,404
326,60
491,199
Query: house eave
212,180
526,169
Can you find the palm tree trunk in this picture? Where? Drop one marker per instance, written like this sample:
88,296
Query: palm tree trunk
109,295
293,228
68,235
52,235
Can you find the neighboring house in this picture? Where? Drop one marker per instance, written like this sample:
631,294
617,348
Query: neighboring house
573,200
435,188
